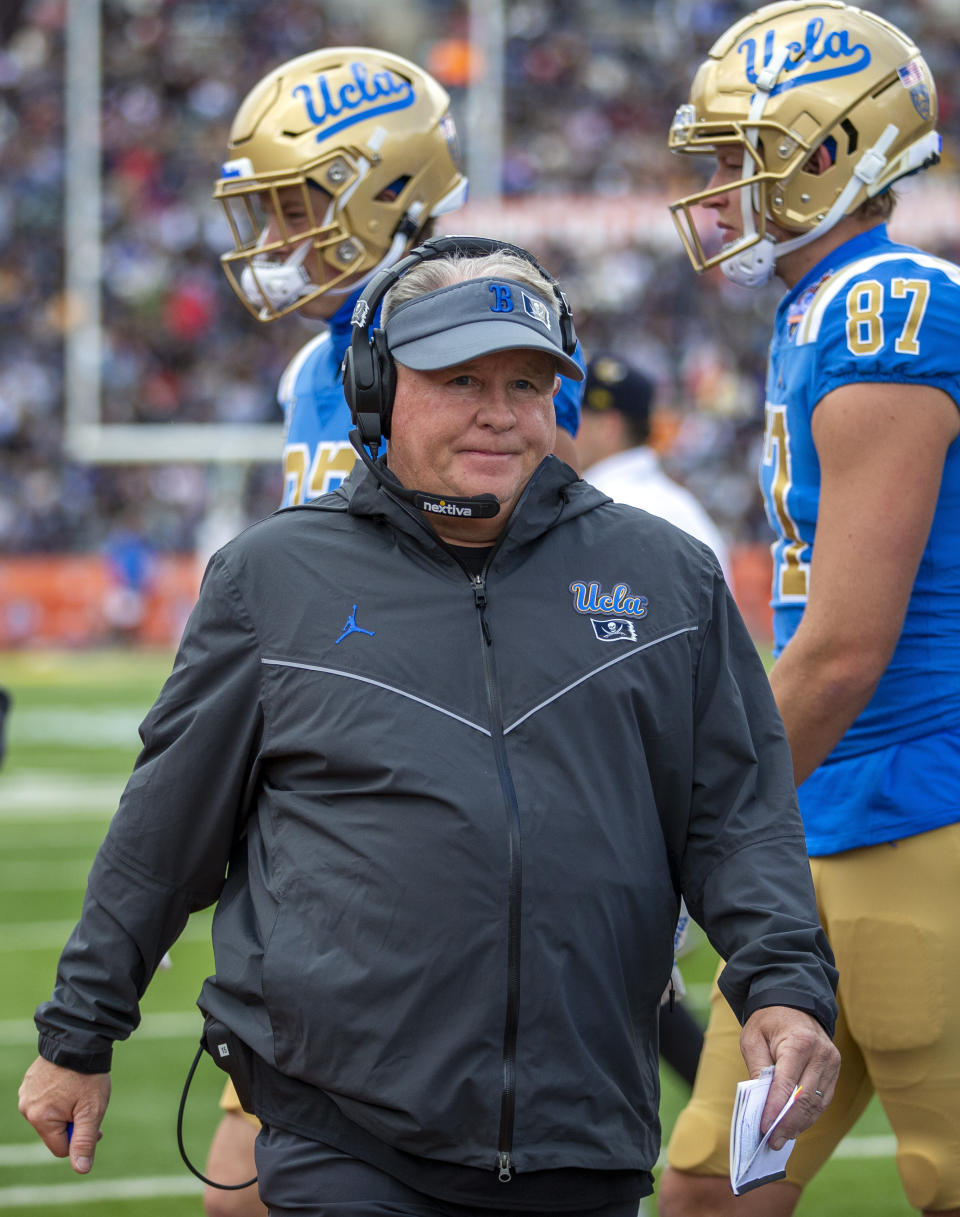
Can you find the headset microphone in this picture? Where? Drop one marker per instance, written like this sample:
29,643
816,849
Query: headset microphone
477,507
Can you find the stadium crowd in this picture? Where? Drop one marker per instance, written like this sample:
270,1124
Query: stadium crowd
590,88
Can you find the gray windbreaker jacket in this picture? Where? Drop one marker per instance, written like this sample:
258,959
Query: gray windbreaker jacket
456,816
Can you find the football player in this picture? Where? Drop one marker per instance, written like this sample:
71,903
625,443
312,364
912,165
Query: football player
339,161
810,113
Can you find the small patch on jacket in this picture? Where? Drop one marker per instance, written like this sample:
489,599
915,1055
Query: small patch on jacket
614,629
351,627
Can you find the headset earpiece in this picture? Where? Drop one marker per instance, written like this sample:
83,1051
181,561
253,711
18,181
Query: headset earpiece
369,384
361,389
568,334
388,379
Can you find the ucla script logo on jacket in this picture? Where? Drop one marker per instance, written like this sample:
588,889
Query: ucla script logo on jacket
590,598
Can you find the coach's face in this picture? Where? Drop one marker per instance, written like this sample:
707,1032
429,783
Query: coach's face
479,427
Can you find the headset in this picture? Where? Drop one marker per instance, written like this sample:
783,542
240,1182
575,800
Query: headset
369,372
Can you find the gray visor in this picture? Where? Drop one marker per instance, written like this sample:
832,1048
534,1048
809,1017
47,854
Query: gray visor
477,317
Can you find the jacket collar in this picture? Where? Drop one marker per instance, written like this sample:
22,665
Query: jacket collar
553,495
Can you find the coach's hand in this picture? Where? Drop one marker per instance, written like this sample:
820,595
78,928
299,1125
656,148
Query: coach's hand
802,1054
52,1097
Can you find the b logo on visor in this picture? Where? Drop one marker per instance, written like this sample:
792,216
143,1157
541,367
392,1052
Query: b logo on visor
502,300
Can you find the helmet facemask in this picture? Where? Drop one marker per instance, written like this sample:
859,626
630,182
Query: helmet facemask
753,249
266,271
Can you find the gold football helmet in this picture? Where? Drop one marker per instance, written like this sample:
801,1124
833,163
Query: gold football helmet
776,86
360,147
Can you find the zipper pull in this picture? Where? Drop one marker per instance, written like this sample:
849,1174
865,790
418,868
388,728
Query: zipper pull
505,1167
480,599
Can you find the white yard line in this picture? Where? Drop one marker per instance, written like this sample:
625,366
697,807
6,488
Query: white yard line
44,876
93,1190
171,1026
34,1153
34,935
51,935
880,1145
874,1145
105,727
33,794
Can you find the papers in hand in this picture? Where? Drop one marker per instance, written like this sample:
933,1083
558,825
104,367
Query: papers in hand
752,1161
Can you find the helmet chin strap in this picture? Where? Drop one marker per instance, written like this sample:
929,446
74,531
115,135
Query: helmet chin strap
274,285
753,265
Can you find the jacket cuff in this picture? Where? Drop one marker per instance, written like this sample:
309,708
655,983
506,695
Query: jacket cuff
52,1050
826,1015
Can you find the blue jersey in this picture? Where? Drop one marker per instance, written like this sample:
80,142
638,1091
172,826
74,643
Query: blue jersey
317,455
872,311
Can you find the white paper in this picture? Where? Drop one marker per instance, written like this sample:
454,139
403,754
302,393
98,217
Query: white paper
752,1161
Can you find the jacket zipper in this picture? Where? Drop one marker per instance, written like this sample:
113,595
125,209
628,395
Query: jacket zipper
508,1097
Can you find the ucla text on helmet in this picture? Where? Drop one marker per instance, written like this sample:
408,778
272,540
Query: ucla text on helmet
366,95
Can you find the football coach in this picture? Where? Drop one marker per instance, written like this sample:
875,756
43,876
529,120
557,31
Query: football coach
446,746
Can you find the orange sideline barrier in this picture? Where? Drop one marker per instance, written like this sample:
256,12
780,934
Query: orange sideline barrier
752,567
72,601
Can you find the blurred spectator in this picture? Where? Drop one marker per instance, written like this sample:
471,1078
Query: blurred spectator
130,564
615,453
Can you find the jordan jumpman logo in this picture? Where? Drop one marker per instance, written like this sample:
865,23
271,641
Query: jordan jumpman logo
352,628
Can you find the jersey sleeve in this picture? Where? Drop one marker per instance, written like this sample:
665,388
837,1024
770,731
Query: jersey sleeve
317,454
886,319
567,401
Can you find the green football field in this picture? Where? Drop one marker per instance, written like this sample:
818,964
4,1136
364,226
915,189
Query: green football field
72,738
